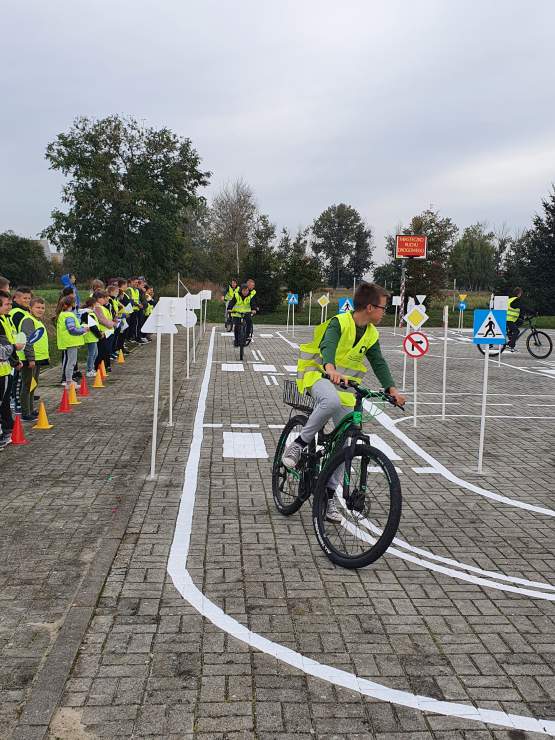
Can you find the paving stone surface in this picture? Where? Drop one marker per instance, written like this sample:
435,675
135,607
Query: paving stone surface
149,665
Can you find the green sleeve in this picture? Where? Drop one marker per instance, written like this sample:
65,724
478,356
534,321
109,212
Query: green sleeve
380,366
330,340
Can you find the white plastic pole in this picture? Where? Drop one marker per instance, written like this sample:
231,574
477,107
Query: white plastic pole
178,285
293,314
395,323
405,361
188,363
170,419
322,315
484,406
354,286
194,343
155,412
444,389
415,361
454,291
309,308
288,310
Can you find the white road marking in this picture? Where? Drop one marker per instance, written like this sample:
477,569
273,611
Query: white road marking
264,368
244,445
276,426
177,569
266,379
474,416
266,336
274,379
423,471
291,368
255,355
227,334
246,426
214,426
381,444
232,367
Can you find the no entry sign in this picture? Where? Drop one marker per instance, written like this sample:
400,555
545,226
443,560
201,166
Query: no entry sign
416,344
407,245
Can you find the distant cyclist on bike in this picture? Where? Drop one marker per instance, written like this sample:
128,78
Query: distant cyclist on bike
513,318
338,348
232,289
242,304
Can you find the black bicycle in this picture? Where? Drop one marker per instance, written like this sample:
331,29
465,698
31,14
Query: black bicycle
244,334
538,343
369,497
228,320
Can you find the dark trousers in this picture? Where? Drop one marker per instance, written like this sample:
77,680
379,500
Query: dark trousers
26,395
133,322
512,331
6,418
237,324
103,353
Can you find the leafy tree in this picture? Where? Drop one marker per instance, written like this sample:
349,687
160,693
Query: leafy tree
127,191
389,276
300,271
22,260
262,264
232,219
343,242
472,261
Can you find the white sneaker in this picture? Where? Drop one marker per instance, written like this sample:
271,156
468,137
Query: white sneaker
332,513
91,374
292,455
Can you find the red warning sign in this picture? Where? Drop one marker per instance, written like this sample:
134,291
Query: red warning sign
408,245
416,344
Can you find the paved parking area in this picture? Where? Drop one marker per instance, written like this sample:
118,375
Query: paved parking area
253,633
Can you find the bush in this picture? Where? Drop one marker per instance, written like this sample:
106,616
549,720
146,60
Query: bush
22,260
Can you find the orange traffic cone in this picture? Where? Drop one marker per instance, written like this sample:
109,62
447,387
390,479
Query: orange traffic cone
84,388
72,396
18,435
121,358
98,380
102,368
64,407
42,421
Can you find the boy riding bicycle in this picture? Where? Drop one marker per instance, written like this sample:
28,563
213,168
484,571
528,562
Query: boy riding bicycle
242,304
338,349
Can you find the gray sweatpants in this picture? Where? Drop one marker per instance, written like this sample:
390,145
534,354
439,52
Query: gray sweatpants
328,406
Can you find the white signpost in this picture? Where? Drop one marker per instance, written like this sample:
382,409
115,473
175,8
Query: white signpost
444,389
309,307
415,317
395,301
205,295
194,304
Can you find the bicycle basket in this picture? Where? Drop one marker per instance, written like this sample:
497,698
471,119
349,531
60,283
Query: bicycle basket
292,397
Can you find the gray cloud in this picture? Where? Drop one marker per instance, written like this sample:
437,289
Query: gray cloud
389,106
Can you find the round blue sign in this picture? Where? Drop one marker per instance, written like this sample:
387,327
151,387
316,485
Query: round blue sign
462,306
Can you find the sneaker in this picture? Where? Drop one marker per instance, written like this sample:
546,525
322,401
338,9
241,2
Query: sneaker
30,417
35,414
144,340
292,455
5,439
332,512
512,349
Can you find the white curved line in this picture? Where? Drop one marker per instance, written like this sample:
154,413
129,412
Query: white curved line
177,569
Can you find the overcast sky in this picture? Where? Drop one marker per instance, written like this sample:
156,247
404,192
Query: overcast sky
389,106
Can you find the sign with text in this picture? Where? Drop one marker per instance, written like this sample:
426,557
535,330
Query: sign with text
409,246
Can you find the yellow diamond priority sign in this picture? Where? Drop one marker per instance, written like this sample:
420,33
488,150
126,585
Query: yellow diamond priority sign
416,317
323,300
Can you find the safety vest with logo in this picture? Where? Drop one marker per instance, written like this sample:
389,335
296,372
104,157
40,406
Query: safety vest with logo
242,304
512,313
63,338
9,331
23,314
348,358
40,347
89,337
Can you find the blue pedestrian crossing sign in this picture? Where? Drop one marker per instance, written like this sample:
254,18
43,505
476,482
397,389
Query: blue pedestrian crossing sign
490,327
345,304
462,306
293,299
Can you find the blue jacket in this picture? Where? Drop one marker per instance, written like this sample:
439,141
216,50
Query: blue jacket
66,282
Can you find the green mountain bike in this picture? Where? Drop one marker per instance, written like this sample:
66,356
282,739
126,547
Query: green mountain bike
369,498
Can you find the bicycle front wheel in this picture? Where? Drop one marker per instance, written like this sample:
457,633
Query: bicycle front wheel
242,340
288,486
539,345
368,501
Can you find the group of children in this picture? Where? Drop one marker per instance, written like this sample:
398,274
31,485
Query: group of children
110,319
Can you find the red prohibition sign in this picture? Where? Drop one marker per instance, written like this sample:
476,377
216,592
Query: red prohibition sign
416,344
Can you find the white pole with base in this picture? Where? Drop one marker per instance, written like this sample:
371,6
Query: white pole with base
415,388
484,408
155,412
170,400
288,310
405,361
395,323
188,362
293,314
309,308
444,391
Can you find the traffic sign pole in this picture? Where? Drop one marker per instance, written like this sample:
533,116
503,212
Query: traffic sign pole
484,406
415,396
288,310
309,308
405,361
395,323
444,389
293,313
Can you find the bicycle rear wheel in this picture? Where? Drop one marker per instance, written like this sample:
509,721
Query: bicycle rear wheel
289,488
539,345
369,502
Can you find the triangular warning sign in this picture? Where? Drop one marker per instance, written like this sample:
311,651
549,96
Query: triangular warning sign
490,328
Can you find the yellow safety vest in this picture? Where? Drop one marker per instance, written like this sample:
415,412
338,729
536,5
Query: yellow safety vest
231,292
89,337
135,295
349,359
63,337
40,347
149,309
512,313
242,305
9,331
18,309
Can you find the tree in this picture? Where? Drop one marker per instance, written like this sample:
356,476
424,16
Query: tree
503,242
472,260
232,220
343,242
389,276
300,271
261,263
128,189
22,260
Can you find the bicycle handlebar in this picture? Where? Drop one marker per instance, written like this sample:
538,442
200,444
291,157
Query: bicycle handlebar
366,392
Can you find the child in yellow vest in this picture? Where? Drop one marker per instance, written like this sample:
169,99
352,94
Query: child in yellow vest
34,357
69,335
88,318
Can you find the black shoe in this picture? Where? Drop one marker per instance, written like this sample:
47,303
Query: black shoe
37,398
36,414
28,418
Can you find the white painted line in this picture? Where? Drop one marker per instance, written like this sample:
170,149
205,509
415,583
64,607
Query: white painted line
548,405
477,403
291,344
382,445
246,426
291,368
274,379
424,471
177,569
388,423
232,367
227,334
266,380
245,445
266,336
255,355
264,368
276,426
213,426
261,356
476,416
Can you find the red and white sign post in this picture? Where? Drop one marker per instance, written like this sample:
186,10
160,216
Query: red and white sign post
415,346
408,246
